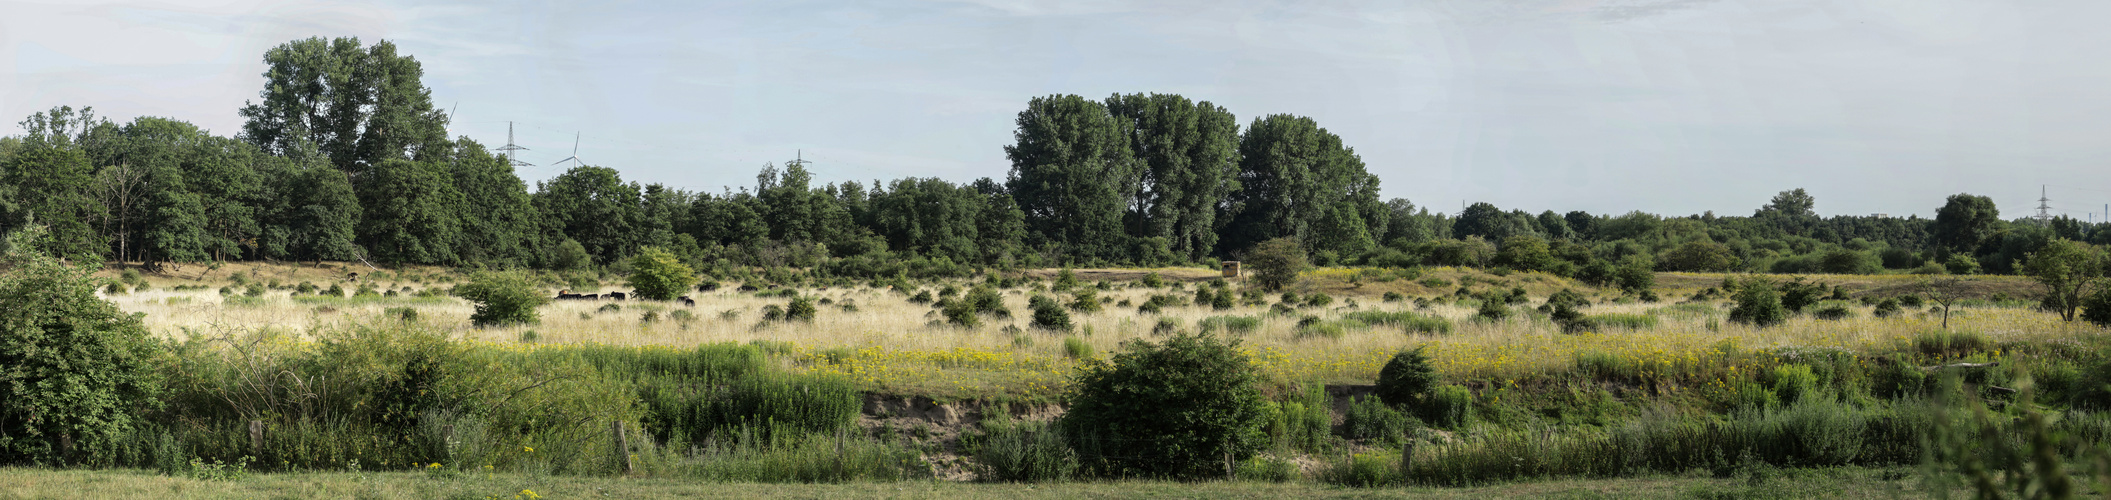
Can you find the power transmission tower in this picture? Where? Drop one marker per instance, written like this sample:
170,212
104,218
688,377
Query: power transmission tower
510,147
2044,207
798,158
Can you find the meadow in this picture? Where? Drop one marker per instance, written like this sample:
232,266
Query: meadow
878,386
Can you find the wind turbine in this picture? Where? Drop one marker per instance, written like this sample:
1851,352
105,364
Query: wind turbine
575,153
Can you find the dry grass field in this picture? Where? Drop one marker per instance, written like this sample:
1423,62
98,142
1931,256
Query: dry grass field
889,344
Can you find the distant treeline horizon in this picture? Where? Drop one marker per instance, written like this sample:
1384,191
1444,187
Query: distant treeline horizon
344,157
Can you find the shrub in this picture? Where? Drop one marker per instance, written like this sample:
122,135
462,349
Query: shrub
985,300
961,313
1085,301
659,275
1023,452
1634,276
1224,300
1450,406
1276,262
1152,280
1833,312
1887,308
74,365
1076,348
1369,418
1318,300
502,298
401,313
2096,309
1757,305
1173,409
1049,315
1064,281
1492,309
1406,379
1229,324
800,309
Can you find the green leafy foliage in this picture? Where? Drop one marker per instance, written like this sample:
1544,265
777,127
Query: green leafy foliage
77,369
502,298
1276,263
659,275
1174,409
1758,304
1406,379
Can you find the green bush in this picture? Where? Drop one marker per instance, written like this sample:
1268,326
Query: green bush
800,309
1758,305
1492,309
1229,324
1450,407
1023,452
1276,262
2096,309
1085,301
659,275
1076,348
1832,312
502,298
1887,308
962,314
1174,409
72,366
1406,379
1370,419
1049,315
1793,382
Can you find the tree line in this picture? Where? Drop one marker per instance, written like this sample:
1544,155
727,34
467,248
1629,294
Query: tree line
345,157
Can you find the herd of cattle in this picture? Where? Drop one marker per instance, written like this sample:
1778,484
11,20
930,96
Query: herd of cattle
568,295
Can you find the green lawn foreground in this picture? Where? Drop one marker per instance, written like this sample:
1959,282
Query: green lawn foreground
35,483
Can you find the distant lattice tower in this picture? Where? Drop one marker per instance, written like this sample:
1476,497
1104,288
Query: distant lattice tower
2044,207
510,147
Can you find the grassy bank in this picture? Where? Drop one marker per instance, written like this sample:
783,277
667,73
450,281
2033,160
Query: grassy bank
26,483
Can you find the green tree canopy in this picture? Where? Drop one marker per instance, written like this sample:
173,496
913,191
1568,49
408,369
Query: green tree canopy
356,105
1073,175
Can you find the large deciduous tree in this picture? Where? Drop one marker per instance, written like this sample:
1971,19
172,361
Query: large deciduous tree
1073,175
357,105
1190,153
1964,221
1295,179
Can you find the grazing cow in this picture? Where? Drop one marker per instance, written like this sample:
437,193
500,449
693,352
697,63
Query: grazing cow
686,301
706,287
615,295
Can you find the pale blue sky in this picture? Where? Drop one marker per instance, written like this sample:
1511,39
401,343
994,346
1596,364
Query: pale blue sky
1666,106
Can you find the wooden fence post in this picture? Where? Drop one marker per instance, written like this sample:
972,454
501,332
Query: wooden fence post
256,439
623,463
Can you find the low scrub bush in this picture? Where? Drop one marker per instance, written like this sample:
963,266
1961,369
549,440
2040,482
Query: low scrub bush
1031,452
1174,409
1229,324
1370,419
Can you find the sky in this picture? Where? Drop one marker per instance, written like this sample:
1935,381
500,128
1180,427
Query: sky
1665,106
